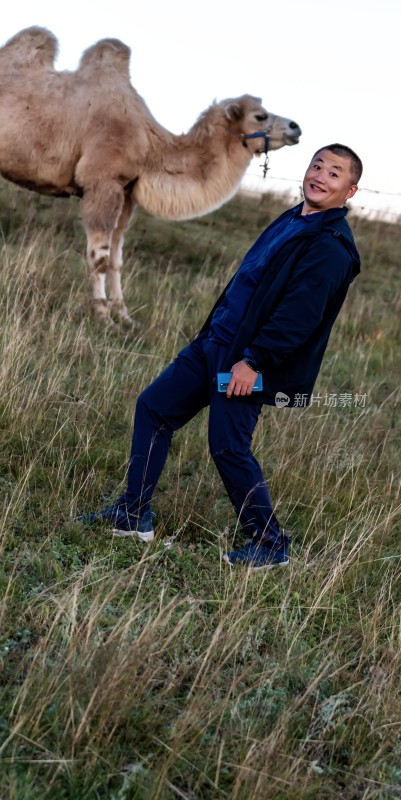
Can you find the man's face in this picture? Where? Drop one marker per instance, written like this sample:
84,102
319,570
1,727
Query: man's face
328,182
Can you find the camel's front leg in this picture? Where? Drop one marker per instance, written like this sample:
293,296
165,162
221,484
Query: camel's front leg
118,307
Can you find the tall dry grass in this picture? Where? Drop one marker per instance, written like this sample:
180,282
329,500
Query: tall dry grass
149,672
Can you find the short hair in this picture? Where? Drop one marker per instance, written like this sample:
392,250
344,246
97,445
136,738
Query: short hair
345,152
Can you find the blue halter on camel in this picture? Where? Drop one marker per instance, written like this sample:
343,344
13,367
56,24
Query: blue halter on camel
258,135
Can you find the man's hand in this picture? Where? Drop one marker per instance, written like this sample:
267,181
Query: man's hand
243,379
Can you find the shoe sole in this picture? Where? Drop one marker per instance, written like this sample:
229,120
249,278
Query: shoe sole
271,566
257,569
148,536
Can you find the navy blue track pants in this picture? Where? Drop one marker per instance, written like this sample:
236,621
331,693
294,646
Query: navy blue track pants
183,389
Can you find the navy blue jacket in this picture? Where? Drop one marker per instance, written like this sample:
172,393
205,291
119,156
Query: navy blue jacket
287,324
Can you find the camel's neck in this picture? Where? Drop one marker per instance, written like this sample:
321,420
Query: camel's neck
189,175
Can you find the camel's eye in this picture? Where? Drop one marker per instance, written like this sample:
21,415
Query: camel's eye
261,117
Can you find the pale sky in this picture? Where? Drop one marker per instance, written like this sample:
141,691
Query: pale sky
332,67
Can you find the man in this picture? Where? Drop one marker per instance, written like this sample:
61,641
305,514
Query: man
273,318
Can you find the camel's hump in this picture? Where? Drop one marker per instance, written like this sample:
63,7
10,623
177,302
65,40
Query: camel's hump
31,47
107,54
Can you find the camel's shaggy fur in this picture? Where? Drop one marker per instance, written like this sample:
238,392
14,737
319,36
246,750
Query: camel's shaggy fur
88,133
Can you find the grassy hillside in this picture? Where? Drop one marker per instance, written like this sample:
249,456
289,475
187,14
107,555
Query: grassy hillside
134,672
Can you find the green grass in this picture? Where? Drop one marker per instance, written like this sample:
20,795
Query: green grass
143,672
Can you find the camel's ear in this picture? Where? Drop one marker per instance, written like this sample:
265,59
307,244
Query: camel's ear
234,112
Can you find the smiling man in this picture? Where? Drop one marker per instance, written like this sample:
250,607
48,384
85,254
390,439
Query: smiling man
327,180
270,326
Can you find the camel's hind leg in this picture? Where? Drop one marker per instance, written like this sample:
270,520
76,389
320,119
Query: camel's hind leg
118,307
102,206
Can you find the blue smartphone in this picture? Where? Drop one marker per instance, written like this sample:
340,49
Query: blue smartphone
223,379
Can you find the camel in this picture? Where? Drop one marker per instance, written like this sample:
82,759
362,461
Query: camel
88,133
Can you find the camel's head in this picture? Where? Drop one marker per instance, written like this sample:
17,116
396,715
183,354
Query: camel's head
247,115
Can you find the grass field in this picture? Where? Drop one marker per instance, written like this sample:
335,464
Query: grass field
147,672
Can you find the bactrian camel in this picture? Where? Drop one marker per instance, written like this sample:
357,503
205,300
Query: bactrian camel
88,133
